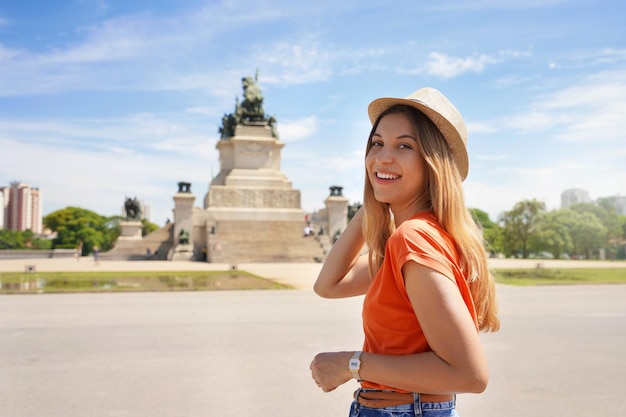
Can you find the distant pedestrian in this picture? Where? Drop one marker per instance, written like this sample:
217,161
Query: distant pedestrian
79,251
96,255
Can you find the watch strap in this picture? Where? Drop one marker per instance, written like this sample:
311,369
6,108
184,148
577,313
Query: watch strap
355,365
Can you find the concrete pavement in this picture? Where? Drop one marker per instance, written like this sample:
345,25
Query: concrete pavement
235,353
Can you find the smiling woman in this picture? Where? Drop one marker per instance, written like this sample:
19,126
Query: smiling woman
427,285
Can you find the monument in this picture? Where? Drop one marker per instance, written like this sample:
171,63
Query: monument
251,211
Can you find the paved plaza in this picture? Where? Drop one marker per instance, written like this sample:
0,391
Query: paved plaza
239,353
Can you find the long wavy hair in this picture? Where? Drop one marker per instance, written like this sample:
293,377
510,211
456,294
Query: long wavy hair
444,195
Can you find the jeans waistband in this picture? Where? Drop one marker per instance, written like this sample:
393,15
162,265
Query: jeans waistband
383,399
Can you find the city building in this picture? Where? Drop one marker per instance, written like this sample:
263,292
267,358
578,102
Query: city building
146,211
574,196
21,207
620,205
578,195
2,208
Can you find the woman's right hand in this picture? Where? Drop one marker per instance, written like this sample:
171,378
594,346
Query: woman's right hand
330,369
345,272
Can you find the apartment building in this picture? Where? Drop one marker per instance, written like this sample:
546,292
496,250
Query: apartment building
574,196
21,207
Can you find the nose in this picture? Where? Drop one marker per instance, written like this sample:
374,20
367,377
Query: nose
384,155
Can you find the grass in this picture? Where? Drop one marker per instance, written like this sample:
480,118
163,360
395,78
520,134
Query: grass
54,282
550,276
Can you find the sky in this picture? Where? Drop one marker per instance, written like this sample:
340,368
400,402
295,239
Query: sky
106,99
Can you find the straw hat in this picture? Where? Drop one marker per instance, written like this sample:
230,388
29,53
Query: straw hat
441,112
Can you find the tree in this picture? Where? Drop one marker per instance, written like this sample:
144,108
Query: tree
75,224
587,233
491,231
553,232
148,227
520,224
11,239
15,239
605,211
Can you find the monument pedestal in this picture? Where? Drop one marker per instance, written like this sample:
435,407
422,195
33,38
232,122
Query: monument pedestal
130,230
181,252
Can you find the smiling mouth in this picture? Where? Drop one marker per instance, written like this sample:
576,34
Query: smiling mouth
385,176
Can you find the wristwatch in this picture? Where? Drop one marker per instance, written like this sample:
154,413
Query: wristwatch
355,365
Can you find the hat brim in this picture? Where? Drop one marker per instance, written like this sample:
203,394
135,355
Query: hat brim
450,133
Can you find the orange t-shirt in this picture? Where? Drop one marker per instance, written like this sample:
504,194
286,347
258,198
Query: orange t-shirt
389,321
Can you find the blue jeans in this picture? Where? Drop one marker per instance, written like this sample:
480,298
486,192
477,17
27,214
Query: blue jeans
416,409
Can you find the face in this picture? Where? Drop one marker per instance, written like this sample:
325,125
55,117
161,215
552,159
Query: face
395,168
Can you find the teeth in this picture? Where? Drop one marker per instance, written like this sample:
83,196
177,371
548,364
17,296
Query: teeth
384,176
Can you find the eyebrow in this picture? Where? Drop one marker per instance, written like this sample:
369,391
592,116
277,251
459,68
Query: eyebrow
405,136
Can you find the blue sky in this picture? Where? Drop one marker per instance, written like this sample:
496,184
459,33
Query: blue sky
103,99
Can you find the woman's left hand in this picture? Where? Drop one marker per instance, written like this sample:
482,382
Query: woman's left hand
330,369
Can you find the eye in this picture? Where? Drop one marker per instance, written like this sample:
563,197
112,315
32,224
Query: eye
405,146
377,143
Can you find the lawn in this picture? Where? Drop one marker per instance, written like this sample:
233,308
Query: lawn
50,282
550,276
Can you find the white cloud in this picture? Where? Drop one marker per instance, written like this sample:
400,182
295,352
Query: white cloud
444,66
290,62
296,130
481,127
589,111
531,121
206,111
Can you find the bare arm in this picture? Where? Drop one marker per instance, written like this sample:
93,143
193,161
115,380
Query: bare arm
457,362
345,273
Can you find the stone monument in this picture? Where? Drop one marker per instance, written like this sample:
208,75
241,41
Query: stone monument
337,209
251,210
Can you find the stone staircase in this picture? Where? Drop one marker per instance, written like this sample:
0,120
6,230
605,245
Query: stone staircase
159,242
268,241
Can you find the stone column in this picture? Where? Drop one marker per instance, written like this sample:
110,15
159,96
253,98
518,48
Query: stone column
183,212
337,209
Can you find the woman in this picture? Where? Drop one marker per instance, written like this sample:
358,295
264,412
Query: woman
428,290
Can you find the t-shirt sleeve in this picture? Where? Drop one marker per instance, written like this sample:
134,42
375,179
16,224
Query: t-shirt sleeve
422,244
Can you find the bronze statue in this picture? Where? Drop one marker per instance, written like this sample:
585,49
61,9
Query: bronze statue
183,237
184,187
252,106
133,209
250,111
335,190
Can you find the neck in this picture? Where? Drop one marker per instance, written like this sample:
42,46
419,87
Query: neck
400,214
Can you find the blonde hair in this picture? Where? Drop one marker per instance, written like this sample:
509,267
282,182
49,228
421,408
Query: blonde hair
445,197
